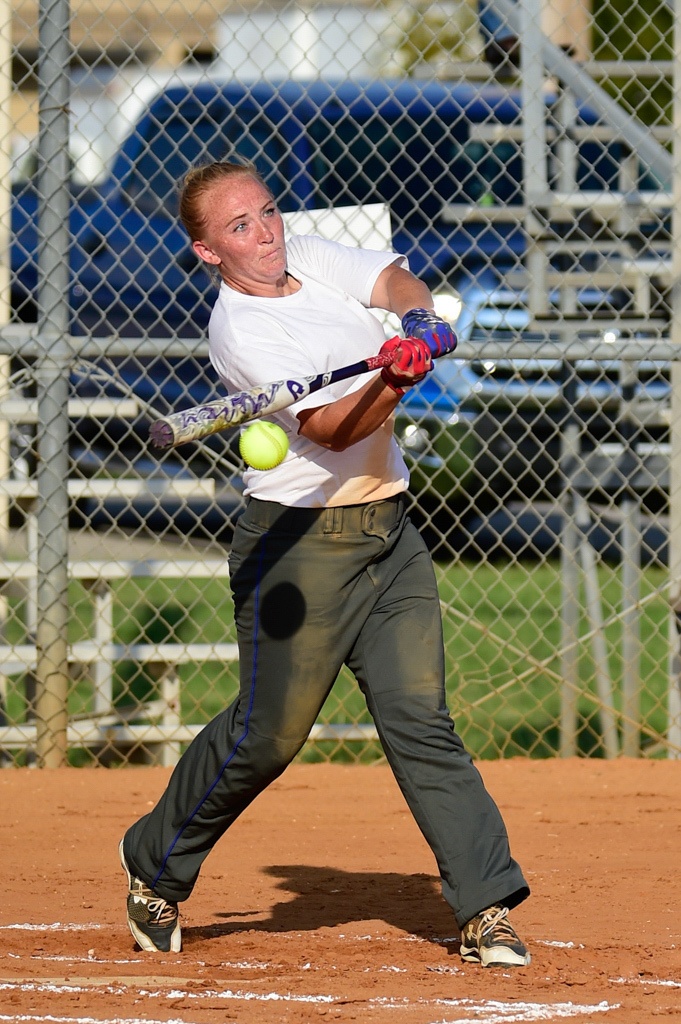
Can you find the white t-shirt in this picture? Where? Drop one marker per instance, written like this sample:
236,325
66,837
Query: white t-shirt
324,325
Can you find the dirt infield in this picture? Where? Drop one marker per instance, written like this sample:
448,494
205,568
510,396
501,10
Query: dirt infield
322,903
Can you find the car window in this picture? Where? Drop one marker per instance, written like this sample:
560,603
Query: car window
400,162
353,163
184,141
490,173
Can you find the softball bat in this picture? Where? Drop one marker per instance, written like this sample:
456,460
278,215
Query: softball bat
202,420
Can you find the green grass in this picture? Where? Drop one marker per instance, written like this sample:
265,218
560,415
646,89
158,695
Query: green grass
502,638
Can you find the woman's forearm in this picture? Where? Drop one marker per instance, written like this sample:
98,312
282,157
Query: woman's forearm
340,424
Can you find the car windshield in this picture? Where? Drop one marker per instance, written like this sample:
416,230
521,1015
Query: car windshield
184,142
354,163
332,152
352,160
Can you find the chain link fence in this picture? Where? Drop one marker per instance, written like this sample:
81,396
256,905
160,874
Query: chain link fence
522,155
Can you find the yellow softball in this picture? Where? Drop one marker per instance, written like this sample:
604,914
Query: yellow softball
263,445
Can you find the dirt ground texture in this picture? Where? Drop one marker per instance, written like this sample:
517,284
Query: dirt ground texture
322,903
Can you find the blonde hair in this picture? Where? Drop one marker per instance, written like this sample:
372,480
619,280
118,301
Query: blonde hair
197,184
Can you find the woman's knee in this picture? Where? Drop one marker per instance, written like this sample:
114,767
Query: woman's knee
272,754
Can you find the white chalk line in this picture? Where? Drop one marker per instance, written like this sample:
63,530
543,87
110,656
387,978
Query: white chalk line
243,965
54,1019
444,940
435,940
90,959
493,1012
560,945
172,992
59,926
646,981
56,926
480,1011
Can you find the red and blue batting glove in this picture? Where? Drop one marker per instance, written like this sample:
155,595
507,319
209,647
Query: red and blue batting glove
431,328
412,364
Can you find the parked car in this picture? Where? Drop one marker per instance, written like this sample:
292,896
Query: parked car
408,143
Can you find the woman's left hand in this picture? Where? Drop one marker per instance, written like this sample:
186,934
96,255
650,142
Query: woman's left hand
431,328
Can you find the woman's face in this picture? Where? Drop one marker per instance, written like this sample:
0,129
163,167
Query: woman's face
244,236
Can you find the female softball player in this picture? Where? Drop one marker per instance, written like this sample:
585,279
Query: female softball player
326,569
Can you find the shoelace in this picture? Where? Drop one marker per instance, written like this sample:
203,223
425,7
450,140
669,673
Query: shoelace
160,910
494,920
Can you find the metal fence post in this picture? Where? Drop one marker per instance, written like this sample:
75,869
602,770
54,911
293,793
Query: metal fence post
534,152
569,566
631,571
674,692
52,382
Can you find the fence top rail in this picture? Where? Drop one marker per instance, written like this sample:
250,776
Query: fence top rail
26,340
25,410
565,206
115,569
658,346
573,348
116,487
22,657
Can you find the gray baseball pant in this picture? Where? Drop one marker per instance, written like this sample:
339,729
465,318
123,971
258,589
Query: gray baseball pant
314,589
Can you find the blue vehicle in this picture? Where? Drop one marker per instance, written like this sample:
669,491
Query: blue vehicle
409,144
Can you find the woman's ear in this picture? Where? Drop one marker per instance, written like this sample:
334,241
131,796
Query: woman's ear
205,253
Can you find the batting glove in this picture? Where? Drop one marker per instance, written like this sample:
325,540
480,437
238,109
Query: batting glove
411,365
431,328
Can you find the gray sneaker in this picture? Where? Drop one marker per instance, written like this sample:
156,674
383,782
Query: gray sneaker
154,923
489,939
